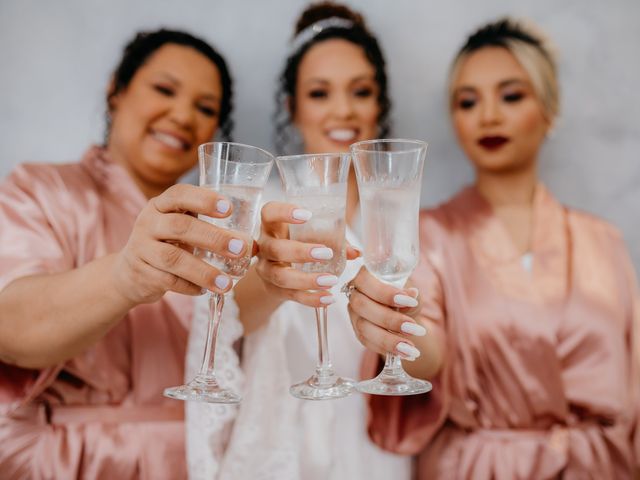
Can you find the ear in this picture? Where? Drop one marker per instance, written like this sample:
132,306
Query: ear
113,98
290,106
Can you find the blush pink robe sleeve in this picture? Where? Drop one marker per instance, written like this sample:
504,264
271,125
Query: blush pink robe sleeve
100,415
540,377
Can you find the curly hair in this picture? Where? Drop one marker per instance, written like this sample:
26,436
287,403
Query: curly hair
359,35
140,49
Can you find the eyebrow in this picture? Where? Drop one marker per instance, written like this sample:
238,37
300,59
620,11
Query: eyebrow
353,80
175,81
504,83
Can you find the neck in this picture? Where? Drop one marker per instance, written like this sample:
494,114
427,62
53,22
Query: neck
512,188
148,189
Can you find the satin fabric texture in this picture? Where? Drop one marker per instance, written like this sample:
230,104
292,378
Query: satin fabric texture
100,415
540,378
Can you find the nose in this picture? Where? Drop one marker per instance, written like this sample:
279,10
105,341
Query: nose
183,113
342,106
490,112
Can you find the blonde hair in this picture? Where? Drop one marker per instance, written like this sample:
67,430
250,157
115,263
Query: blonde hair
531,48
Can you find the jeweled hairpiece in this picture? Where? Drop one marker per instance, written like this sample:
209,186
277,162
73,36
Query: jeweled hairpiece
316,28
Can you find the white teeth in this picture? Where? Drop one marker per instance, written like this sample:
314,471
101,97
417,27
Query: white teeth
169,140
342,134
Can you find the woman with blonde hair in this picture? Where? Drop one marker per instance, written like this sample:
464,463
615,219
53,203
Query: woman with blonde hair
531,307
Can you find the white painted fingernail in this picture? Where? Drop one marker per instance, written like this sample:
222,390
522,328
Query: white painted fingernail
223,206
405,301
408,350
327,280
301,214
222,282
235,245
327,300
322,253
408,359
413,329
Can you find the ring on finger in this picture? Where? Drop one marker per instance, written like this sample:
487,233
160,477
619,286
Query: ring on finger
348,289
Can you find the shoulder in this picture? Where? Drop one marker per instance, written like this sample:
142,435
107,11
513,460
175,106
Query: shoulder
590,224
45,181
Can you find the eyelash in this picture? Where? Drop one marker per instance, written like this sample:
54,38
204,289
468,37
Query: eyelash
513,97
362,93
164,90
209,112
466,104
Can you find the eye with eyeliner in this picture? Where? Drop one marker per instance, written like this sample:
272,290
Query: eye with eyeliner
208,111
317,94
364,92
466,103
512,97
163,90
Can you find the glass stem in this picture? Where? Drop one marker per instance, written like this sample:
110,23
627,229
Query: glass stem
324,369
392,365
207,369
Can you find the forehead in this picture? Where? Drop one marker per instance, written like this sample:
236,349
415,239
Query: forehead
335,60
488,67
186,65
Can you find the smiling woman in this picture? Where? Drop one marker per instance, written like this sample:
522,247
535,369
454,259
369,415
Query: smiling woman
91,256
332,92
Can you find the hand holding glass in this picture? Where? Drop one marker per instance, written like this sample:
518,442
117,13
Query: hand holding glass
239,172
389,174
318,183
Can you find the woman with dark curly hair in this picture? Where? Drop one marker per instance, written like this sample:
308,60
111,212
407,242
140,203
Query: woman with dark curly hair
333,92
92,255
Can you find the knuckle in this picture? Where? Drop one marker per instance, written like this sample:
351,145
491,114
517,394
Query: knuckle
179,225
170,256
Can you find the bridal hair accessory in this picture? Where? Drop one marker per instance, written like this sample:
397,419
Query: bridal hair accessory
316,28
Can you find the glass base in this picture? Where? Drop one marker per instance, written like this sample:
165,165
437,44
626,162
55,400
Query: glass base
201,389
327,388
398,383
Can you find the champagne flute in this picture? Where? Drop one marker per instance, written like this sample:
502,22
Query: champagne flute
389,175
239,172
318,183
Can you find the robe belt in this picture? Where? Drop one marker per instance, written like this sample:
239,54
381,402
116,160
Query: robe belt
67,414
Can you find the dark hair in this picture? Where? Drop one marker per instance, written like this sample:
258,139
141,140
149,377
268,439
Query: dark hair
358,35
498,34
140,49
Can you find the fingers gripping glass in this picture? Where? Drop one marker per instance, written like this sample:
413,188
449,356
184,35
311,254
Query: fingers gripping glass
239,173
389,175
318,183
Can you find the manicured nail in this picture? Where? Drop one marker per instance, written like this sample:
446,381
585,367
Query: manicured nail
408,350
301,214
327,280
327,300
405,301
223,206
235,245
222,282
413,329
323,253
413,291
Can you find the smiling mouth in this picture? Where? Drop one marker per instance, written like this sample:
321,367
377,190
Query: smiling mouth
493,142
170,141
343,135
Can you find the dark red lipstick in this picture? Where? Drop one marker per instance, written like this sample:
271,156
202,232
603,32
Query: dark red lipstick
493,142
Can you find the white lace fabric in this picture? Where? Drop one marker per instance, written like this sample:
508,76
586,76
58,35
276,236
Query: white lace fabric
273,435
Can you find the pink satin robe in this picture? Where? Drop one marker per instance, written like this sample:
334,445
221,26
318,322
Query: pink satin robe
539,379
100,415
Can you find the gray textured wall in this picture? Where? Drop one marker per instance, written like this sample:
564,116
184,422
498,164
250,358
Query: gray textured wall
56,57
